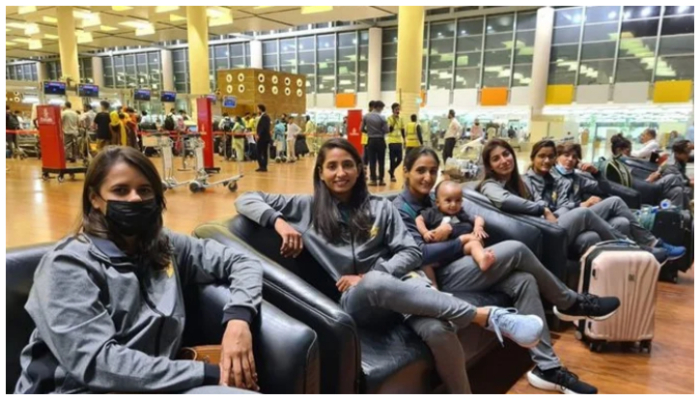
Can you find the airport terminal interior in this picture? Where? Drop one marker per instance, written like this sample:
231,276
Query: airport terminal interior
230,105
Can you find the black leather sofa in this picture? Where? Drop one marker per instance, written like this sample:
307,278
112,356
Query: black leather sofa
384,359
286,350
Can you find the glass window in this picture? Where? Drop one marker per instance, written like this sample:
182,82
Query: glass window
141,58
242,62
108,71
522,75
389,65
390,35
678,25
641,12
270,61
288,45
325,42
323,55
677,10
602,14
497,76
469,59
467,78
524,47
562,73
469,43
675,68
347,54
221,51
289,59
599,32
442,30
564,53
221,64
500,23
389,50
638,29
677,45
566,35
364,37
637,47
470,27
347,40
345,68
179,55
497,57
307,70
388,81
499,41
598,72
598,50
568,16
307,57
634,69
527,21
237,49
326,84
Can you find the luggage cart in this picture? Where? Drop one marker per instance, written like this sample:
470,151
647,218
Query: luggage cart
201,181
467,159
164,145
27,144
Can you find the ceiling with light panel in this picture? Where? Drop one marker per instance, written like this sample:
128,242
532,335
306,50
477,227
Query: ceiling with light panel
32,30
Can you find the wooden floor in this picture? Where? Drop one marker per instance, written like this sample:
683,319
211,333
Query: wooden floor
39,211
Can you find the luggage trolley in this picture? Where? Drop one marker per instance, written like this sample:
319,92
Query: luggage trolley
163,143
467,159
201,181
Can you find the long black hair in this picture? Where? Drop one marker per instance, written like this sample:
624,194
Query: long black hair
325,214
619,143
151,245
542,144
514,184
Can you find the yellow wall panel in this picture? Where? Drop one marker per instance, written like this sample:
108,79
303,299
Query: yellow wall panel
560,94
673,91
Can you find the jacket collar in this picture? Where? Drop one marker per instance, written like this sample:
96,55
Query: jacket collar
416,204
107,251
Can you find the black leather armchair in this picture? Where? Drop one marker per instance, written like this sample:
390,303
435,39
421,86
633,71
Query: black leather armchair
286,351
387,359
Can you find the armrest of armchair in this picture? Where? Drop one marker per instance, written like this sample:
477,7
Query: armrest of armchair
337,334
286,351
630,196
554,254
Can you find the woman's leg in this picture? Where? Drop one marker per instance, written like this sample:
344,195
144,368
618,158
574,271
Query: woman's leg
614,207
580,220
447,351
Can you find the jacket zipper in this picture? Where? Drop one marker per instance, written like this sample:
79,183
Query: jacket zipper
153,307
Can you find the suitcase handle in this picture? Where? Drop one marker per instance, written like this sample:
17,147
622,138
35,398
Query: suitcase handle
626,242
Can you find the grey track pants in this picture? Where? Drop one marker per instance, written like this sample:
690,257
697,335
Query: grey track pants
520,275
614,208
379,293
214,389
580,220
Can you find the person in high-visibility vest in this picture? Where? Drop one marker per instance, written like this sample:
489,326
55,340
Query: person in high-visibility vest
395,139
414,134
365,139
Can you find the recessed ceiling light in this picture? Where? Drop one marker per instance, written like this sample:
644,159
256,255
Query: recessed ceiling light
163,9
22,40
315,9
50,20
17,25
8,43
26,9
107,28
177,18
35,44
121,8
50,36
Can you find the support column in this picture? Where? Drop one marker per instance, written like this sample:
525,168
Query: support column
68,50
374,66
540,59
166,67
409,61
198,41
256,54
98,73
42,72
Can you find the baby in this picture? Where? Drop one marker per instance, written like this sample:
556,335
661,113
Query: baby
448,210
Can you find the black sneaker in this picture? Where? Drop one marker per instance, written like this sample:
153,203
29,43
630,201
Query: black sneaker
393,179
589,306
382,183
559,379
372,183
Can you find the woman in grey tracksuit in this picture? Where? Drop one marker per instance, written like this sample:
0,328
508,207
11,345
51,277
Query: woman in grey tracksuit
361,242
516,272
107,302
538,194
613,209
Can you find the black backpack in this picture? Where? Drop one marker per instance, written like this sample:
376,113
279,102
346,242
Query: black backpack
169,124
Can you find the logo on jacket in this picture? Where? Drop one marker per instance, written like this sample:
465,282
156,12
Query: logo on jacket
554,196
169,270
374,232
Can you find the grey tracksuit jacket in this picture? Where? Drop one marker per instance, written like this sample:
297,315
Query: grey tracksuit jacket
108,323
390,248
544,192
580,187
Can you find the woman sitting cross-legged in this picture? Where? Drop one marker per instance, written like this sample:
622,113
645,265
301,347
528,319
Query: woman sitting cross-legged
516,272
361,242
612,209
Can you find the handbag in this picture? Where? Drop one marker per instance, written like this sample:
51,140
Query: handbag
210,354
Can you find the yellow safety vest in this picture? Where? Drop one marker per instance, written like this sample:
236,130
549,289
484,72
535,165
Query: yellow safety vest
365,139
394,137
412,135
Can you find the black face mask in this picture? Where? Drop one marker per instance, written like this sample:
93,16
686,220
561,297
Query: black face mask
129,218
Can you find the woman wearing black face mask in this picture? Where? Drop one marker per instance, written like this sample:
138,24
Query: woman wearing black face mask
107,302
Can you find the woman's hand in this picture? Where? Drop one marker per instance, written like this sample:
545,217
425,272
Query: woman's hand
292,245
442,232
549,216
237,362
654,176
347,281
429,237
590,168
593,200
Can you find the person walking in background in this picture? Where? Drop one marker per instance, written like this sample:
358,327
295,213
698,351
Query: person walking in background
293,131
101,126
280,141
365,139
454,131
477,131
69,123
263,138
377,128
395,139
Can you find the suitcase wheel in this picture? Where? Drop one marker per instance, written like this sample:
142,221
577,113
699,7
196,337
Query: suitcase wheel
578,335
596,347
645,345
